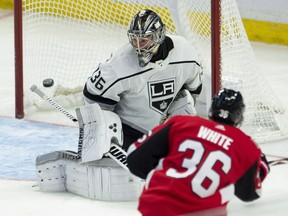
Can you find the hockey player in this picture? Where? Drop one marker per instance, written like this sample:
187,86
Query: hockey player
141,80
152,77
193,164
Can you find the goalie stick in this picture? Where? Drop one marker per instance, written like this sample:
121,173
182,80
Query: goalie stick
116,153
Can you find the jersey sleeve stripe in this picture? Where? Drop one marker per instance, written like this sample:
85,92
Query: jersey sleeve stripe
98,98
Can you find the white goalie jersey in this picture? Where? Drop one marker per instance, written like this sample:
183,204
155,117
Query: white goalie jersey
142,95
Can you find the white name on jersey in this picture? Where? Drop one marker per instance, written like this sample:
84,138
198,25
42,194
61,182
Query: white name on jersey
215,137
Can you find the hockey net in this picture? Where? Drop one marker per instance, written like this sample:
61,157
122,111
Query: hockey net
67,39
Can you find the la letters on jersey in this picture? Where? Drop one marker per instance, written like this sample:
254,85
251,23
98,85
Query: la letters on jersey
215,137
161,94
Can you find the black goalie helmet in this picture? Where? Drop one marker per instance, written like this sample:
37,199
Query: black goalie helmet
227,107
146,33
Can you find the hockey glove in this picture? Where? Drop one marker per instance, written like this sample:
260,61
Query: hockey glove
183,104
264,168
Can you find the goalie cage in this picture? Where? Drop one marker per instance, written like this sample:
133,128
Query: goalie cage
65,40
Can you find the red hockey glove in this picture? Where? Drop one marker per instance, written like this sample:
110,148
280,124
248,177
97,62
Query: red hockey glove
264,168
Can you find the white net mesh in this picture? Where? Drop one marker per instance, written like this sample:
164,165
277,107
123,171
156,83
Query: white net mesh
67,39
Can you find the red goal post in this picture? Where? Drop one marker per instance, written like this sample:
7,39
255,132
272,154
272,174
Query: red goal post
66,39
19,103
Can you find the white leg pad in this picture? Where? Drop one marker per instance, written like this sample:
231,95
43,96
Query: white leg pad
51,172
101,180
53,178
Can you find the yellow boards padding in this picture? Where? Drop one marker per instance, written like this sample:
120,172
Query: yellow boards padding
6,4
268,32
116,11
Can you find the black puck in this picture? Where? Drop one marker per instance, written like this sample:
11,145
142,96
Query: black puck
48,82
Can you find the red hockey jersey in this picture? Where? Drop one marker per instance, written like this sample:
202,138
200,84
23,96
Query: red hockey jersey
192,164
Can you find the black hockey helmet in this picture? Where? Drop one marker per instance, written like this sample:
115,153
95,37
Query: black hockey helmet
227,107
146,33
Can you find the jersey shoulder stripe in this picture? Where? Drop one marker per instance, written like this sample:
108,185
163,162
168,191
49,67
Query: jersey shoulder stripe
126,77
184,62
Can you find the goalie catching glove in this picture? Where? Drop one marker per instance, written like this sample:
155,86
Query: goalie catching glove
183,104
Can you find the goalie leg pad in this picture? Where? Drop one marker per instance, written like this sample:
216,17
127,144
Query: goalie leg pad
51,172
98,129
103,180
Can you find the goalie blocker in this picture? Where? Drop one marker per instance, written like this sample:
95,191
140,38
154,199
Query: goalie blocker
87,172
98,130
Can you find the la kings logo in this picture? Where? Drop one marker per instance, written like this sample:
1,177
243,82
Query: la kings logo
161,94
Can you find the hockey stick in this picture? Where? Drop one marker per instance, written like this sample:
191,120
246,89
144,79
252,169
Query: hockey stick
57,106
116,153
278,162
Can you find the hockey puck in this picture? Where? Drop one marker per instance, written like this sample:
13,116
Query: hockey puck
48,82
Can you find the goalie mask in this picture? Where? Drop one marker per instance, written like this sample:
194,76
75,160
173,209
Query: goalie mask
146,33
227,107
